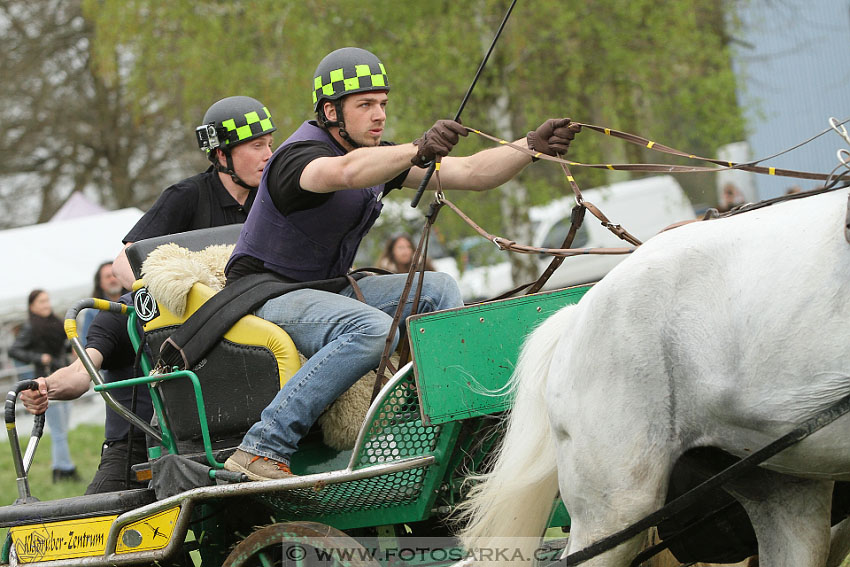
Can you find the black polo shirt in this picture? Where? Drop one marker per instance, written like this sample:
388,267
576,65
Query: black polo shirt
284,177
197,202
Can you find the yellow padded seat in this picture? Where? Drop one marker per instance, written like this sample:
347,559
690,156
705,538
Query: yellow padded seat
249,330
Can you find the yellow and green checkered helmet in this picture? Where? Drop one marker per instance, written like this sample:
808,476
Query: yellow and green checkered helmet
237,119
346,71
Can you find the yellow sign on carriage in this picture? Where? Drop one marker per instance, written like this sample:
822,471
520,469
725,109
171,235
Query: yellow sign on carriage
61,540
87,537
149,533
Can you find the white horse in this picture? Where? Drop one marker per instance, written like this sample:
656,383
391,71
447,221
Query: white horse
724,333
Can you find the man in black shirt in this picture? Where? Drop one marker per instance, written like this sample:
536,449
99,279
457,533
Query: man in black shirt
320,194
109,347
237,137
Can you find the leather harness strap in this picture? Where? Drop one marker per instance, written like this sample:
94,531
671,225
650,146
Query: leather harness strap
417,263
576,220
507,244
618,230
658,167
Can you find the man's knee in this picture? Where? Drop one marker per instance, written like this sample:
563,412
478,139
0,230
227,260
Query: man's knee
442,290
376,327
371,332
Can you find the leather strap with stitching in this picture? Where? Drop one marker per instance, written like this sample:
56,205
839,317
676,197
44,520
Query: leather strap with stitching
417,262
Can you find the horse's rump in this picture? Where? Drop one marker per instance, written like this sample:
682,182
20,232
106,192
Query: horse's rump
718,334
737,324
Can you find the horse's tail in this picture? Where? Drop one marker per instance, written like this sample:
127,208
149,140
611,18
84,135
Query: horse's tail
515,498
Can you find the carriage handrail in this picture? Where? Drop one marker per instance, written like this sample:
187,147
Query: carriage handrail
349,474
199,401
22,463
96,378
203,493
376,406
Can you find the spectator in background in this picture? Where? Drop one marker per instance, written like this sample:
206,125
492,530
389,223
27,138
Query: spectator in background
111,352
106,286
42,343
398,254
732,197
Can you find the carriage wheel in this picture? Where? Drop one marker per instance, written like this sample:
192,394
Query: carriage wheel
299,544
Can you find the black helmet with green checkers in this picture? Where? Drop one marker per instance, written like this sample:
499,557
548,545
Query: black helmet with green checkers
229,122
343,72
346,71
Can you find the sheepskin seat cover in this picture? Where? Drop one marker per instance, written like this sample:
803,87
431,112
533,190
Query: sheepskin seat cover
169,273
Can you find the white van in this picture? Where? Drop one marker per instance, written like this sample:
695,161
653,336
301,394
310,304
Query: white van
643,207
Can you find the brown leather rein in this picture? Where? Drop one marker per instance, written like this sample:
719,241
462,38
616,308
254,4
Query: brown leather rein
582,205
577,217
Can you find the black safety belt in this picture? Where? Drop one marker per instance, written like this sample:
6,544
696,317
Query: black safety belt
205,327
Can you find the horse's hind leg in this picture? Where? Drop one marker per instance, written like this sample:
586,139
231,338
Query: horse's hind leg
608,488
790,517
839,546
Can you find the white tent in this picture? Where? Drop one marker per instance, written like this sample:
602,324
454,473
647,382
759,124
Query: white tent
59,257
77,205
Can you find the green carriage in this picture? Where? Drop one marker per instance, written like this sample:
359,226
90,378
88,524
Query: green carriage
432,426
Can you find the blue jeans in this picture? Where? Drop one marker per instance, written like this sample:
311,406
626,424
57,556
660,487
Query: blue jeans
58,417
343,339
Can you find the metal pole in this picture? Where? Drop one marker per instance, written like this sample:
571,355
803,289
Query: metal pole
433,166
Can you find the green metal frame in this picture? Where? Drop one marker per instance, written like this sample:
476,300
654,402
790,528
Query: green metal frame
199,401
396,431
398,427
168,440
465,357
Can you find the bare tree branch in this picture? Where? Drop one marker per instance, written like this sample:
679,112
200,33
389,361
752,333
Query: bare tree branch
66,129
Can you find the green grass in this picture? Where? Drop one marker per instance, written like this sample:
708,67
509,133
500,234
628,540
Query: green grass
85,442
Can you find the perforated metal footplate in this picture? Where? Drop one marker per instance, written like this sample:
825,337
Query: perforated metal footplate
395,432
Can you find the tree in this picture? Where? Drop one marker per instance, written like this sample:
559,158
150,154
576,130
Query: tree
66,128
641,66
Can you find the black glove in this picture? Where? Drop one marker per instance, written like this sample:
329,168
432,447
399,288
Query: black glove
438,141
553,136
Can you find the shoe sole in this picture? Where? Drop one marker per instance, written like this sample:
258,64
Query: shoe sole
233,466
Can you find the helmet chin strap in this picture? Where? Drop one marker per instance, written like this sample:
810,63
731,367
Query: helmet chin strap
343,133
340,123
229,170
